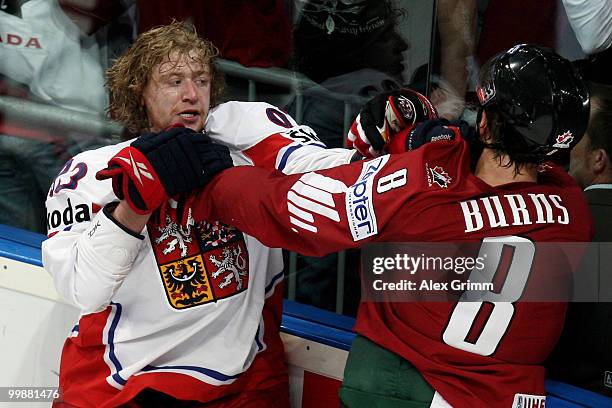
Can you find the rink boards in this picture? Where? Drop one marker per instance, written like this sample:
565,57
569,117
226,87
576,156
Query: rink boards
34,323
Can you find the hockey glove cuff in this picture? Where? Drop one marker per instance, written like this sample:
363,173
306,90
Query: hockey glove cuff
384,116
134,180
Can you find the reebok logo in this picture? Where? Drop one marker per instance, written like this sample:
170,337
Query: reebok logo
138,168
444,136
313,194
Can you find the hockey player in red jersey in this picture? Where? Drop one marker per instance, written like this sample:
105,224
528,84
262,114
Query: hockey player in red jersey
533,106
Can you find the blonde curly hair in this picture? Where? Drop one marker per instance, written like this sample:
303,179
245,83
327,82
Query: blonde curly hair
130,73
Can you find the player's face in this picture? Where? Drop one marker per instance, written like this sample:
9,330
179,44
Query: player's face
580,162
178,92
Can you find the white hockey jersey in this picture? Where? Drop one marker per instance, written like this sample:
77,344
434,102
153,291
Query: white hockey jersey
190,310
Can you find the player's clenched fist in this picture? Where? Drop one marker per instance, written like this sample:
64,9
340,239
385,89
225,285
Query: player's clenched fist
382,117
160,165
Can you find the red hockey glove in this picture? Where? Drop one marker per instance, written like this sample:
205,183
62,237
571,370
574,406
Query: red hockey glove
382,117
157,166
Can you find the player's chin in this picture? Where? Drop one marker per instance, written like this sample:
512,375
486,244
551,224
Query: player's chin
196,124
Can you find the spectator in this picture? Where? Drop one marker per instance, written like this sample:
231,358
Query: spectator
53,52
352,49
430,353
57,47
583,356
457,46
357,49
592,23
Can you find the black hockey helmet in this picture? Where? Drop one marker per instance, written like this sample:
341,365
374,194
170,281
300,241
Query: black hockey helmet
540,96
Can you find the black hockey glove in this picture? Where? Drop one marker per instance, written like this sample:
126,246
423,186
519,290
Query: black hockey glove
384,116
438,130
157,166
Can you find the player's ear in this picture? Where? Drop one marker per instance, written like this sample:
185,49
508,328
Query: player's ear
483,128
600,161
145,109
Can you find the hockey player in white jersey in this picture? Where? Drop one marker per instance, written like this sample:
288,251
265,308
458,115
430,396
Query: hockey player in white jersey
171,312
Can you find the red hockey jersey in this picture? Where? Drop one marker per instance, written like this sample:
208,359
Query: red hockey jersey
426,195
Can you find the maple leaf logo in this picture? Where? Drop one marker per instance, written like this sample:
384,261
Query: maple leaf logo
438,176
564,140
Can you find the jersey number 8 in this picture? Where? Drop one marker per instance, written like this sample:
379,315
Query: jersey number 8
466,311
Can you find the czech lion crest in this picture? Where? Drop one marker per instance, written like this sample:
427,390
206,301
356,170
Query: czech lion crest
198,262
